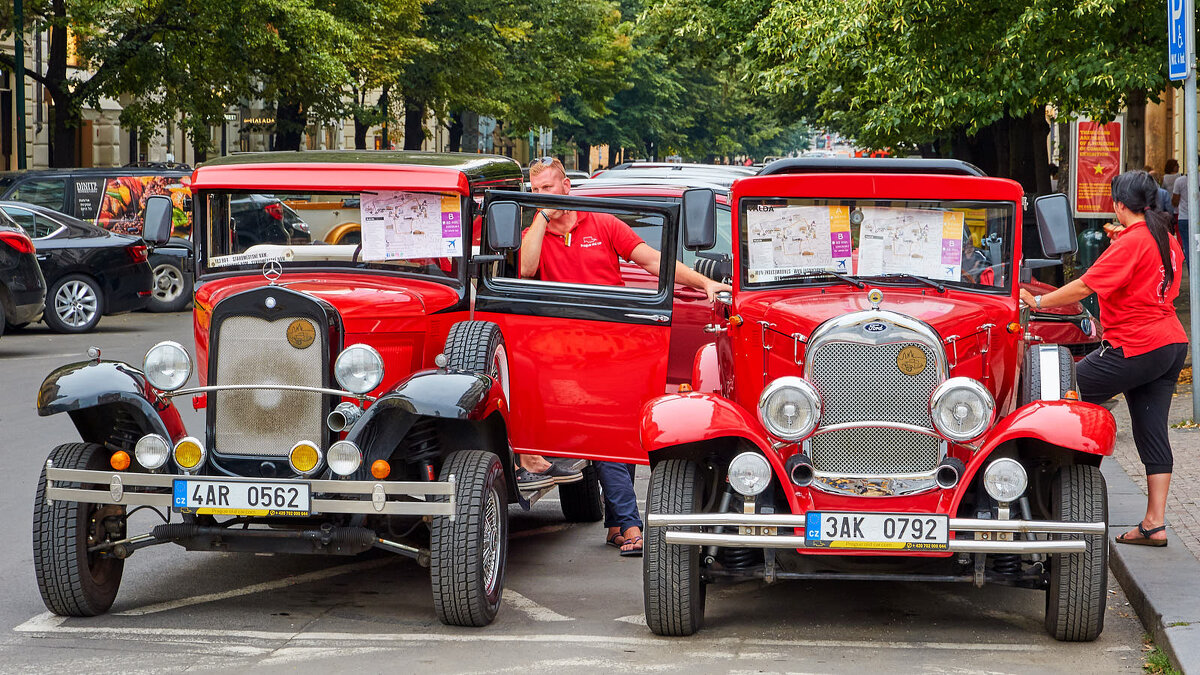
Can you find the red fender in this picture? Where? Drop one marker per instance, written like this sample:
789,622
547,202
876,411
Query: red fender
706,374
677,419
1073,425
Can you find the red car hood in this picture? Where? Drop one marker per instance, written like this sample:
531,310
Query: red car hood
951,313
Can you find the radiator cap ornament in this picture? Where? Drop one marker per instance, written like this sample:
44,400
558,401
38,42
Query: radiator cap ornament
875,296
272,270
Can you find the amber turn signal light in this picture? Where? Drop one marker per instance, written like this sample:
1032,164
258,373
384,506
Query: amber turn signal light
119,460
735,320
380,469
685,388
1071,395
1014,327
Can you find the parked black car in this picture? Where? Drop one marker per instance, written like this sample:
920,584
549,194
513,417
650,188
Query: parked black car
22,287
89,271
113,198
265,219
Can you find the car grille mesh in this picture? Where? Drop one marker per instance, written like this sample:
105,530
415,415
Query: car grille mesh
862,382
266,422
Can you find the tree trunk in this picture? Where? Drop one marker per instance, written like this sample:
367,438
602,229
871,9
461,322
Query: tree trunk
67,115
385,104
613,153
455,129
414,124
1135,131
1039,132
584,156
360,133
290,123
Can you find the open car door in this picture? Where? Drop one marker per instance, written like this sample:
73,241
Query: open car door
582,358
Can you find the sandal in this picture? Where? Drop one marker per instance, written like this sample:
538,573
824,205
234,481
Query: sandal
632,552
1145,539
612,541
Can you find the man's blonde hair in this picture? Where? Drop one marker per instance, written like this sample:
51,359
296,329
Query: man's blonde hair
539,165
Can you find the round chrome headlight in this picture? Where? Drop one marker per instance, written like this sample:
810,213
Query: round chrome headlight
789,408
152,451
305,458
190,454
359,368
1005,479
344,458
167,366
962,409
749,473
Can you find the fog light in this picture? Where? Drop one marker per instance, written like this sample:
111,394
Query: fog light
152,451
749,473
344,458
304,457
1005,479
189,453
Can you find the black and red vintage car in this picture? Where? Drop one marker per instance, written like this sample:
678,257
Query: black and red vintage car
874,406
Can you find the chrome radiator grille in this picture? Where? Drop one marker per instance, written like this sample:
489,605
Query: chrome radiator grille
266,422
862,382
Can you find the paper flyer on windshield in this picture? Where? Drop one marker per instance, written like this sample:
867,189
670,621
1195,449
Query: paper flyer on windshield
407,225
911,241
788,240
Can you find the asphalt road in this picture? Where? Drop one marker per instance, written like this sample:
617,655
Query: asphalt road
571,603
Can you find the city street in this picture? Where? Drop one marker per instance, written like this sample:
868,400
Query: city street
570,603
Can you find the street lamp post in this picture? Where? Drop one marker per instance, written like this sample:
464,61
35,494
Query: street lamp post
19,58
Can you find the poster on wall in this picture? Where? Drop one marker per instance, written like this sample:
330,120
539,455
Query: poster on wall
1097,154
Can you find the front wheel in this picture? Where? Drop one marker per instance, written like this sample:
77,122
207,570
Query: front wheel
673,591
468,554
72,581
172,288
74,304
1075,598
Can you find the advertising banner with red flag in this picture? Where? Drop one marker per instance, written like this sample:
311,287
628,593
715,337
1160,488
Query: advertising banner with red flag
1097,154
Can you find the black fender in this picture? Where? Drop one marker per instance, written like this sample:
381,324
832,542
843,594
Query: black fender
470,407
107,400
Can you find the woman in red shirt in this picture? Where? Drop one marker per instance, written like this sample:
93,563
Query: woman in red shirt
1137,281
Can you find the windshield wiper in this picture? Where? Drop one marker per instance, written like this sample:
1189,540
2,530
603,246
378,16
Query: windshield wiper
825,273
904,275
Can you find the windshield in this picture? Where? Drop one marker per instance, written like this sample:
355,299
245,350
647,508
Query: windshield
802,240
409,232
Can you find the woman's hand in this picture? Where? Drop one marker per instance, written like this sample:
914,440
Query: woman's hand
1113,230
1027,298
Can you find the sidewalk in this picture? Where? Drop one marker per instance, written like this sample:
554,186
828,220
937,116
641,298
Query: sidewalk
1163,584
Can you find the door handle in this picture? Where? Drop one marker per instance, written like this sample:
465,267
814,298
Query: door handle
661,318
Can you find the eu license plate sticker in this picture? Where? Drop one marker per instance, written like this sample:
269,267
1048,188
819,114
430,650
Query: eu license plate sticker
229,498
896,531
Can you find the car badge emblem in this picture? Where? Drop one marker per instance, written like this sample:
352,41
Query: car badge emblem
272,270
875,296
301,334
875,327
911,360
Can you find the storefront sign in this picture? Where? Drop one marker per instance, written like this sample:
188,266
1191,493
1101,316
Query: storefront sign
1097,154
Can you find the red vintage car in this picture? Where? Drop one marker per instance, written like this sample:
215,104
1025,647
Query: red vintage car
350,400
874,406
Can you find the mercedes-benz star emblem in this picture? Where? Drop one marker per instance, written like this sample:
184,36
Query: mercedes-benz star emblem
272,270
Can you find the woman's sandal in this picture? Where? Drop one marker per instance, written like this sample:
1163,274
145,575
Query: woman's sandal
612,541
1145,539
632,552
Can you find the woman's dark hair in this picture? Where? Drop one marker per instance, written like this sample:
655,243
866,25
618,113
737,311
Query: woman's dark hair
1139,193
1172,166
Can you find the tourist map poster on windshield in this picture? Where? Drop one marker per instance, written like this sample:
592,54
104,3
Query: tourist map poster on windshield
911,241
407,225
788,240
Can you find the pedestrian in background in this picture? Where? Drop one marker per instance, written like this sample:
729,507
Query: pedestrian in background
1179,199
1137,280
1170,173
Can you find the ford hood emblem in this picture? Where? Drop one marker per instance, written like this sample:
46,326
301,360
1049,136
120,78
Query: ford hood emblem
875,327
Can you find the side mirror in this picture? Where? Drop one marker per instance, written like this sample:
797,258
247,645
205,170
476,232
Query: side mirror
504,226
1056,228
699,219
156,228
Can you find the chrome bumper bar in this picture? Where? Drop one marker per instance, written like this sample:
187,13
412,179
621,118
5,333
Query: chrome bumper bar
790,521
337,496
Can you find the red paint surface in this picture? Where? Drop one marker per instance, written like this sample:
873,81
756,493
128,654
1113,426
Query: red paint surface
333,177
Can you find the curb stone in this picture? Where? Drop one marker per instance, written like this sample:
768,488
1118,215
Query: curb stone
1162,584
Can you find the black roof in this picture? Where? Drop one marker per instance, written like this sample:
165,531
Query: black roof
953,167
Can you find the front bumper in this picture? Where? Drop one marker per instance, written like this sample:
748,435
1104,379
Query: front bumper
988,536
329,496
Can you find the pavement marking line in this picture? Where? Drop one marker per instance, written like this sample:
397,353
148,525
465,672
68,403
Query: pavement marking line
46,621
308,577
316,638
635,619
531,608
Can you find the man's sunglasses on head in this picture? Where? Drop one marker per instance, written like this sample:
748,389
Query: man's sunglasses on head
544,161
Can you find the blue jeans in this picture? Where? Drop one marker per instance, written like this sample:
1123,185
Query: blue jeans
1183,241
620,501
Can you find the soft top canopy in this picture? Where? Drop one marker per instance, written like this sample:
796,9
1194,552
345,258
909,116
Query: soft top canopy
953,167
357,171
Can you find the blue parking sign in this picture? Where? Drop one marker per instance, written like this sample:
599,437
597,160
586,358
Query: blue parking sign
1177,40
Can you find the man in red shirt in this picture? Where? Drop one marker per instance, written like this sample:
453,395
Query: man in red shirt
582,247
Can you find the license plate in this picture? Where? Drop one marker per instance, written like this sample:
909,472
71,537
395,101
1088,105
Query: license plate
229,498
897,531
